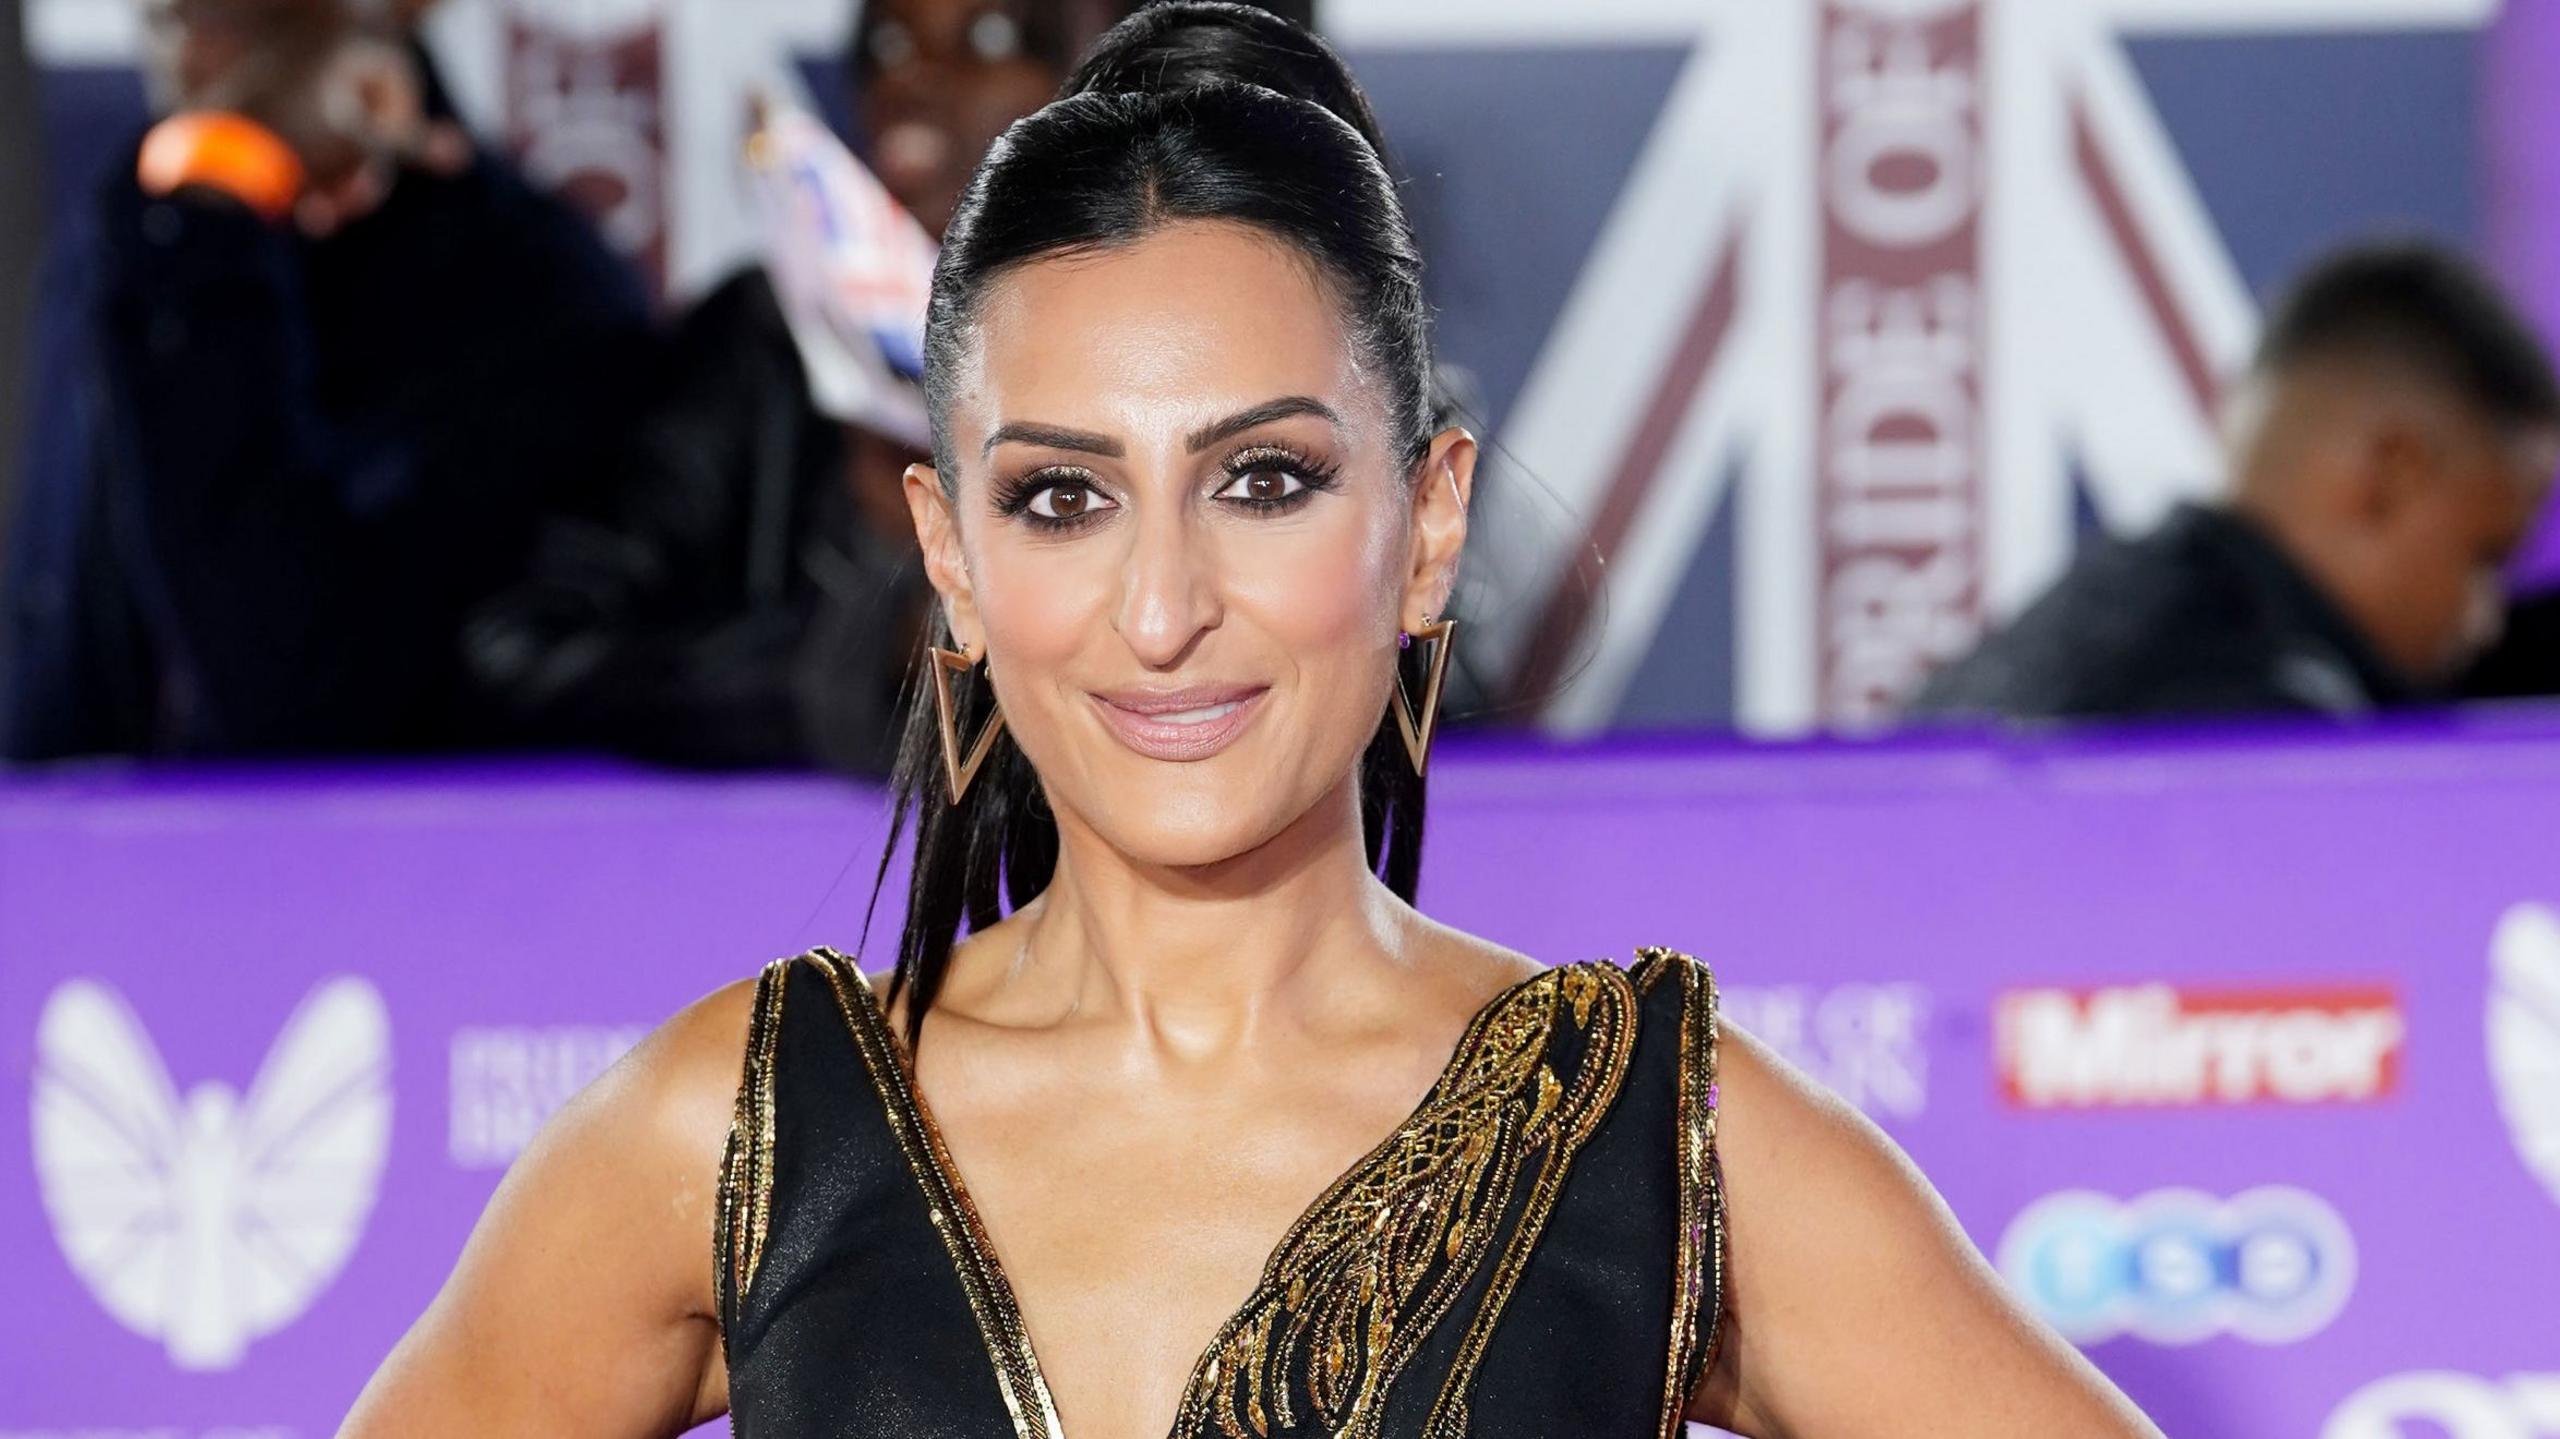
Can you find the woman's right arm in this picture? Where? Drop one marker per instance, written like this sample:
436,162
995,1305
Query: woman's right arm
584,1304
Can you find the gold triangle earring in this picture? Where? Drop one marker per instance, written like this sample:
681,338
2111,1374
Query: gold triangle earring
1418,729
957,770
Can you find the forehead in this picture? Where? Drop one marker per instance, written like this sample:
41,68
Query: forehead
1198,317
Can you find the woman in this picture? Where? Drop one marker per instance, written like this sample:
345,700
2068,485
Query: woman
1187,523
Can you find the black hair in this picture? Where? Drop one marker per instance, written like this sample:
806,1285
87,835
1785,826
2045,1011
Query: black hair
1185,111
1168,47
1050,32
2425,309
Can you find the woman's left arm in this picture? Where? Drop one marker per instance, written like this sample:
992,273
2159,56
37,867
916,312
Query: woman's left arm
1854,1304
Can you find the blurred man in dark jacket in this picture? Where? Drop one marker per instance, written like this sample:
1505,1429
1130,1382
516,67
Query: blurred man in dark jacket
288,451
2389,449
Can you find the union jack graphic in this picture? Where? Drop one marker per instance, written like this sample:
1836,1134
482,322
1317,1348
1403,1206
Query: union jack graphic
1896,291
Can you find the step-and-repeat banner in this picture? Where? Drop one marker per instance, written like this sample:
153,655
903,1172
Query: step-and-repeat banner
2240,1058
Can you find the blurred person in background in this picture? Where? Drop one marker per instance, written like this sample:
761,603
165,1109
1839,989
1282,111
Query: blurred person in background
19,180
2388,450
746,594
323,365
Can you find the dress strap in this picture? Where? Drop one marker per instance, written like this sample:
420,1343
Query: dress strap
1697,1312
745,1204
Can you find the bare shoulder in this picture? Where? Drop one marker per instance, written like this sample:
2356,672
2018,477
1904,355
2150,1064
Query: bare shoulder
1854,1301
584,1302
666,1104
683,1078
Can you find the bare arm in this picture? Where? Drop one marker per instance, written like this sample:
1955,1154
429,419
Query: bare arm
1855,1306
583,1303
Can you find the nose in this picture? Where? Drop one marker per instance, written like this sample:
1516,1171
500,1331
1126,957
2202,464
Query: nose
1168,588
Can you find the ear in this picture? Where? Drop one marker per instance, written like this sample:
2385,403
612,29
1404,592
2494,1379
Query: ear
1442,487
2403,466
945,565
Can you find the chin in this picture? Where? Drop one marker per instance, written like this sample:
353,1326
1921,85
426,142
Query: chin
1196,819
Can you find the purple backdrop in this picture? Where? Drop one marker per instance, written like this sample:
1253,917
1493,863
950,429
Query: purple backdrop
2292,1190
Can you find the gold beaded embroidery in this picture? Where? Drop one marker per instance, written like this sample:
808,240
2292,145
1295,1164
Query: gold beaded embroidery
1352,1290
1697,1300
1357,1284
744,1203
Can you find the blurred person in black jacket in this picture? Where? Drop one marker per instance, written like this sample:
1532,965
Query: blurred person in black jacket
2389,449
745,595
299,421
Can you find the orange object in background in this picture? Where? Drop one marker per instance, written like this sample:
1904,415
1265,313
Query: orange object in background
226,152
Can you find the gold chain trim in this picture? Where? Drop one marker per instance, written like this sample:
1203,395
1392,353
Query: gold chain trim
1359,1281
743,1208
1697,1300
1018,1377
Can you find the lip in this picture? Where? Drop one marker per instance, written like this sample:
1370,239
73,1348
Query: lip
1144,719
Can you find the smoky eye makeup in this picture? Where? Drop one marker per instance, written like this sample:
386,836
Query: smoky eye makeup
1272,479
1260,480
1056,498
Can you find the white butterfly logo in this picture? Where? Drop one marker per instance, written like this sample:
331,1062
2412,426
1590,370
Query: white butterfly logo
213,1220
2524,1034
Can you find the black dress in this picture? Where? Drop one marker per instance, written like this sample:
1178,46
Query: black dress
1538,1251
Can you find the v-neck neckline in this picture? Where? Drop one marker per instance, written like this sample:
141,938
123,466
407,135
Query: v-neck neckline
1005,1323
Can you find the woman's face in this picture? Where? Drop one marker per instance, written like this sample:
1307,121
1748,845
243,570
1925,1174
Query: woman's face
1184,536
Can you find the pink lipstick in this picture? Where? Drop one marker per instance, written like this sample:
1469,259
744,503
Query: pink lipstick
1191,723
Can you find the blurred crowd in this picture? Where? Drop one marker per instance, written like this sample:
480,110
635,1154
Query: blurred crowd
344,438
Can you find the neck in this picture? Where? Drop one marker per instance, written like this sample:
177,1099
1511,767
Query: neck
1204,955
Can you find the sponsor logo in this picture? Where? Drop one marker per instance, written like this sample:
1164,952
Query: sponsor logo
2156,1044
504,1082
2178,1267
2455,1406
209,1219
2524,1035
1867,1043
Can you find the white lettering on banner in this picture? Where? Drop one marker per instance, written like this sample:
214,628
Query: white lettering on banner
1866,1043
2524,1035
1899,498
207,1220
505,1082
2456,1406
2155,1044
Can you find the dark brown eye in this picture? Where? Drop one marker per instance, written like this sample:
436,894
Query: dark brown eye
1263,487
1067,500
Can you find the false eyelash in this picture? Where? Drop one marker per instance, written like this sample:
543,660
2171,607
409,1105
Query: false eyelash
1314,477
1014,496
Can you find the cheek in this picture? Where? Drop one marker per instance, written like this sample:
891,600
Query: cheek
1039,604
1326,590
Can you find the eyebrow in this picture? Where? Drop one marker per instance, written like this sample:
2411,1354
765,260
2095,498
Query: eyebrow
1054,437
1059,437
1284,408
